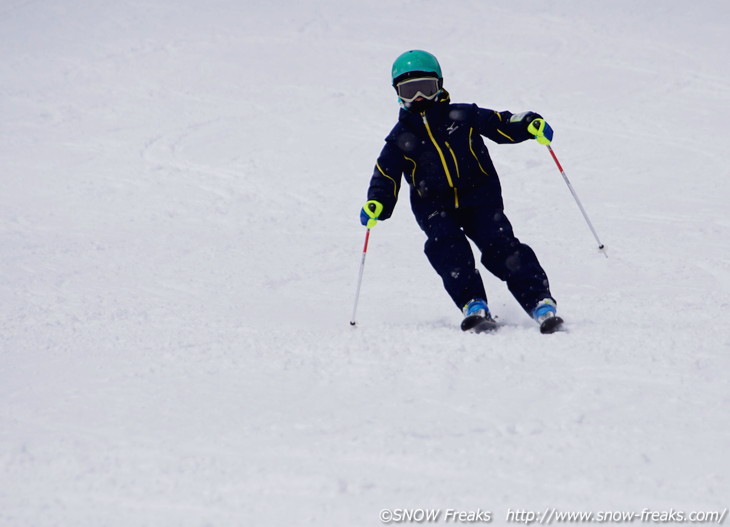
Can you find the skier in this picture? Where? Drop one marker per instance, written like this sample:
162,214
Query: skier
455,191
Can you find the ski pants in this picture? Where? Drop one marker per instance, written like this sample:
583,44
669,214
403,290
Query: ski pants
450,254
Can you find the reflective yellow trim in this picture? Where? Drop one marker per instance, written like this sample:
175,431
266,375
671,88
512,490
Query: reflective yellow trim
413,172
471,148
499,115
502,133
395,185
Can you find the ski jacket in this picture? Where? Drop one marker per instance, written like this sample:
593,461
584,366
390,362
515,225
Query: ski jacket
442,156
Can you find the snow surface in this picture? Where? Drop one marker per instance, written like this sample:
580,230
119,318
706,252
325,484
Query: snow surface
179,203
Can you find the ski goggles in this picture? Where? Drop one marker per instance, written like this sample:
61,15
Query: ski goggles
426,87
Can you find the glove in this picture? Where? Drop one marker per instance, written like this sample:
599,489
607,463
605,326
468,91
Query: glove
370,213
541,130
536,125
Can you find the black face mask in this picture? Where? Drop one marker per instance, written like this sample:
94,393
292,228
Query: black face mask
419,106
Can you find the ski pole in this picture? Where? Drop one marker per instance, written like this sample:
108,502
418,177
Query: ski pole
601,247
359,278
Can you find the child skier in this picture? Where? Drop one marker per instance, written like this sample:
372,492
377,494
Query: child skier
455,191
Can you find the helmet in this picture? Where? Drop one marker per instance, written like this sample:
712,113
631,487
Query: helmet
415,63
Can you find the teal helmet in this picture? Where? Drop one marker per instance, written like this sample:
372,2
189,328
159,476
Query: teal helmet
415,63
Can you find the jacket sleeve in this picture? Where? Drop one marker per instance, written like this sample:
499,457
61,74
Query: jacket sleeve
497,127
386,180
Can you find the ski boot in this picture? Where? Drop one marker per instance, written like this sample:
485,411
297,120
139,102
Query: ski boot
477,317
545,315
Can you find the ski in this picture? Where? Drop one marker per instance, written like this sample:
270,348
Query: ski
551,325
478,324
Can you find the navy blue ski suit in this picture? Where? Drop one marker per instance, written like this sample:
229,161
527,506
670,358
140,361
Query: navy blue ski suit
455,193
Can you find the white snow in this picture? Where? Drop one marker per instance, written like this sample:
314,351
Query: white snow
179,199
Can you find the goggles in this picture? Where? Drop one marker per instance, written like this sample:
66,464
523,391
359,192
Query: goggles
426,87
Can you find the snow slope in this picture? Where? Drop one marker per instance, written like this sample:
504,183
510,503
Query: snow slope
179,196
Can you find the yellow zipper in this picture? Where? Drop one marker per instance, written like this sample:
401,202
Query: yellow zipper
456,164
443,159
453,155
